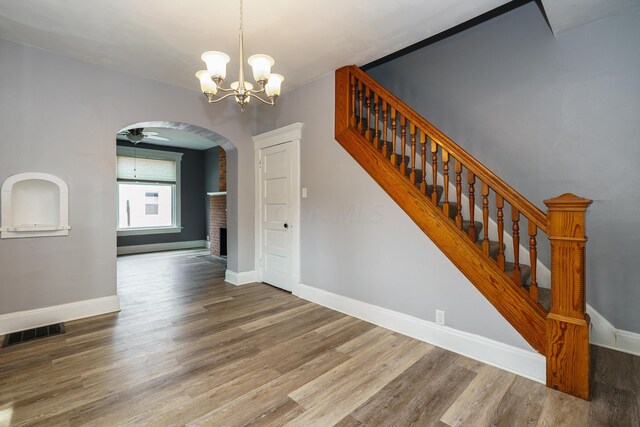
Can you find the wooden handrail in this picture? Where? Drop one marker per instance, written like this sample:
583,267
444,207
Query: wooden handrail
515,199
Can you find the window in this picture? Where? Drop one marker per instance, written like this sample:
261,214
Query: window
148,191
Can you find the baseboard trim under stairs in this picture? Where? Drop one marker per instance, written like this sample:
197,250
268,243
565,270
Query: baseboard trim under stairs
525,363
604,334
512,359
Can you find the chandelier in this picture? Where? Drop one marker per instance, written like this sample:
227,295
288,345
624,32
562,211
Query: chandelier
211,79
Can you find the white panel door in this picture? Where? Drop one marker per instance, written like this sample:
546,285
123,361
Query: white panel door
276,215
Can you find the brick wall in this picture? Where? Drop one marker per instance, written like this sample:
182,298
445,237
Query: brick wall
223,169
217,220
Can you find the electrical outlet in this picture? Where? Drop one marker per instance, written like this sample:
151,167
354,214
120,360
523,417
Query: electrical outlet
440,317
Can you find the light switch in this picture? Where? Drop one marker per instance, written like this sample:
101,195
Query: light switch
304,192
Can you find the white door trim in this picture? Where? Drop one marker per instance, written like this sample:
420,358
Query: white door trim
293,135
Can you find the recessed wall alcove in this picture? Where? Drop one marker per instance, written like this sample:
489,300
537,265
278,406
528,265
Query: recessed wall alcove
34,204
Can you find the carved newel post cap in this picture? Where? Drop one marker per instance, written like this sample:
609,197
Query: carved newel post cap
568,201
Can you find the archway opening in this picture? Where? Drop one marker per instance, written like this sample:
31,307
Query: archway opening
173,191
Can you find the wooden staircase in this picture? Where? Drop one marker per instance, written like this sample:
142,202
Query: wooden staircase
410,158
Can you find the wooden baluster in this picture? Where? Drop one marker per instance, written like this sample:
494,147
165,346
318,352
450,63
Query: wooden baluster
403,141
412,132
353,103
376,112
367,133
423,160
499,206
515,217
457,167
394,126
485,218
471,180
385,124
434,171
445,173
533,259
567,325
360,109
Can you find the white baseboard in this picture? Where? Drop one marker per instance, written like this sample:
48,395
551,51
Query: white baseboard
21,320
158,247
604,334
242,278
513,359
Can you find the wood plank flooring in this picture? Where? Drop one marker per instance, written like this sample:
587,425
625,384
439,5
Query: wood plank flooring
189,349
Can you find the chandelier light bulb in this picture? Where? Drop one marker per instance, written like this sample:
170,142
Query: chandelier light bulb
216,63
273,86
261,65
207,86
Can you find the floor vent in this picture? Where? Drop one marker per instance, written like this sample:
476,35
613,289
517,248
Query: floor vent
32,334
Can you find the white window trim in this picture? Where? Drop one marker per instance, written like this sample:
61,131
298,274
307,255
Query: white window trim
177,202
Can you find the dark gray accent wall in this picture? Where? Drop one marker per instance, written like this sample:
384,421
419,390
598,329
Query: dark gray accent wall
192,188
549,115
211,180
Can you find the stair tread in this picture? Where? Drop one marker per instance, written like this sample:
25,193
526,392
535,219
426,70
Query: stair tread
544,298
466,224
525,270
494,247
418,172
544,294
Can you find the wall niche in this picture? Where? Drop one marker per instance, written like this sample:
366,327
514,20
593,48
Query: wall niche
34,204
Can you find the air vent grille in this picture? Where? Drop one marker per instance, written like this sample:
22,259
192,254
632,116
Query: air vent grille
32,334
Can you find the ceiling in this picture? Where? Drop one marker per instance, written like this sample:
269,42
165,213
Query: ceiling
163,40
565,15
178,138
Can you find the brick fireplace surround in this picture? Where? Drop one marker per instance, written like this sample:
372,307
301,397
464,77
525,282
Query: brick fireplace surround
217,220
218,207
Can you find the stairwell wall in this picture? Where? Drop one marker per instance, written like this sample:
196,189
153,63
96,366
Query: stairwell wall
357,243
548,115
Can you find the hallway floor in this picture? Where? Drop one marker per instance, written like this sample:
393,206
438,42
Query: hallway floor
187,348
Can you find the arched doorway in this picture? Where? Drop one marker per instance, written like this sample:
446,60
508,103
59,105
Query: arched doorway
155,137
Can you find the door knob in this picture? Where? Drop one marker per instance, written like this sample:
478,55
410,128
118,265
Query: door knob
286,225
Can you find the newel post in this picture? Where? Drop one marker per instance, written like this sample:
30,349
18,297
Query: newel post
567,322
343,100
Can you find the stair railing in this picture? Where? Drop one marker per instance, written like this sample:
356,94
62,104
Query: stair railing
399,135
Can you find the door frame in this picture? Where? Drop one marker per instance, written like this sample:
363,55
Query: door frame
287,134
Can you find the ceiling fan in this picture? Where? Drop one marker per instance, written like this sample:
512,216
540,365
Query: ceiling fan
136,135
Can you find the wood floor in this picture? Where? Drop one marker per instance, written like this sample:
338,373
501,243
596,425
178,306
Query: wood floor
188,348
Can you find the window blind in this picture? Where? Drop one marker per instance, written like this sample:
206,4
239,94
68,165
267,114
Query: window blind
146,170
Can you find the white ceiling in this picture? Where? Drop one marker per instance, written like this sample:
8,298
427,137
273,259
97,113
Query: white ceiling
565,15
179,138
163,40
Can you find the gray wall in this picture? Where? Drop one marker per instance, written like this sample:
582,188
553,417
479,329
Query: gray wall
192,209
356,242
211,181
60,116
548,115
